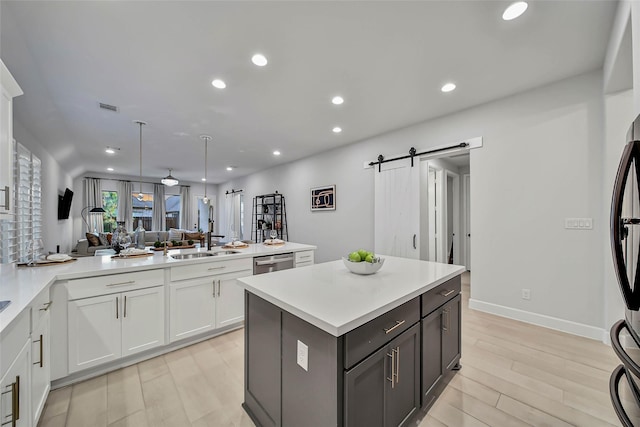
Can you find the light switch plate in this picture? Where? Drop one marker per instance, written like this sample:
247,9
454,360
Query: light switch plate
303,355
578,223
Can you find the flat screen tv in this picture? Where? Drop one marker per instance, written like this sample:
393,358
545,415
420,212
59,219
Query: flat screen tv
64,204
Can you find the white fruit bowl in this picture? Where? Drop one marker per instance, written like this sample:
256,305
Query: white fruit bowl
363,267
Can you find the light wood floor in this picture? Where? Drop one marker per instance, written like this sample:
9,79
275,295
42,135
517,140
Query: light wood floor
513,374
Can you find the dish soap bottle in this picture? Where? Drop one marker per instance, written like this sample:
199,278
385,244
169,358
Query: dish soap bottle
139,236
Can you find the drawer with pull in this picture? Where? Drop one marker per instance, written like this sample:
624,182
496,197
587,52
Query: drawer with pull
113,283
439,295
184,272
304,258
364,340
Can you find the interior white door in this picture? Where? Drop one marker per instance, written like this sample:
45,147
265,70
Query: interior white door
397,209
142,320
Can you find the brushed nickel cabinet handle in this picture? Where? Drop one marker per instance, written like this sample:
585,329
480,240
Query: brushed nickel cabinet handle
392,365
125,307
128,282
46,306
397,350
17,400
445,322
219,288
447,293
414,242
213,285
398,323
40,362
117,304
216,268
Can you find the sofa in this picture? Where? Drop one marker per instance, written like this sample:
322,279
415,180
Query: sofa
84,248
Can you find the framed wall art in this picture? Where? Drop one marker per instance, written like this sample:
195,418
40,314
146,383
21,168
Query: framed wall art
323,198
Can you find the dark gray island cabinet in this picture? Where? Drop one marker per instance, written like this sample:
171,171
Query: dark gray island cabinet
309,367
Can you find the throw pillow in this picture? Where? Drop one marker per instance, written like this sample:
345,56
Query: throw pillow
93,239
192,236
103,239
174,234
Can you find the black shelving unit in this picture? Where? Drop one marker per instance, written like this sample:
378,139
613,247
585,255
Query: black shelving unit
269,213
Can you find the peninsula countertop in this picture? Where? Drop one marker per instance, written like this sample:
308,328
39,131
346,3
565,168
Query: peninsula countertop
337,301
21,285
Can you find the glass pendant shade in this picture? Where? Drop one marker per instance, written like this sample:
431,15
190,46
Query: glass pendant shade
169,180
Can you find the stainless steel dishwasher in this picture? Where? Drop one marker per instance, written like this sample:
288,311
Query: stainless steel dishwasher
269,263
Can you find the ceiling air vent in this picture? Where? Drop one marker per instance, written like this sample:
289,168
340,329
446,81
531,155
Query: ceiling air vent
108,107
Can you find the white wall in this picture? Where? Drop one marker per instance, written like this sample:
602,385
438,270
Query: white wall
54,181
541,162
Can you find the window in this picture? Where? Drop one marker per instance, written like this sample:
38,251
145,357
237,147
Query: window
142,210
172,209
110,205
26,225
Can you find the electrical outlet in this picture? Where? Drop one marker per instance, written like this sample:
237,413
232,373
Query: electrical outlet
303,355
526,294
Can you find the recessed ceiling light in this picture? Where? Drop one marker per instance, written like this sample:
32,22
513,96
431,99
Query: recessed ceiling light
514,10
448,87
217,83
259,59
204,179
110,169
337,129
229,168
111,150
276,153
337,100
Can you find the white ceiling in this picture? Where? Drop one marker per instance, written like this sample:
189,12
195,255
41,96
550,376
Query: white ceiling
156,60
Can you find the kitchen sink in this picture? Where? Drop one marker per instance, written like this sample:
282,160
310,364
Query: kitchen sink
190,256
224,253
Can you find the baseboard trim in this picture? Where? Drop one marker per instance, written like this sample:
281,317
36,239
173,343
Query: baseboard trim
561,325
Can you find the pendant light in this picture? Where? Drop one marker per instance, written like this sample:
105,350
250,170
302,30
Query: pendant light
169,180
206,139
140,195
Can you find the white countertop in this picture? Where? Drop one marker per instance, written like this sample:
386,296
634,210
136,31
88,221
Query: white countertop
21,285
337,301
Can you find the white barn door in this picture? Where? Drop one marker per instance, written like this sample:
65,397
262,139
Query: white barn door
397,209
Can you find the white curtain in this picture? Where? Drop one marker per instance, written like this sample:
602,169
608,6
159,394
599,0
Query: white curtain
233,207
159,209
125,205
93,199
185,207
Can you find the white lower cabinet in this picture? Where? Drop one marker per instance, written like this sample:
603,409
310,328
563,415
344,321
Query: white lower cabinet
107,327
200,304
304,258
40,366
15,406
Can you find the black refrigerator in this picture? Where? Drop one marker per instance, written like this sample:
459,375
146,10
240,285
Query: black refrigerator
624,384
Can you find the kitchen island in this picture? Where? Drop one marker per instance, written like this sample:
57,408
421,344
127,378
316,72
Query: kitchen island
326,347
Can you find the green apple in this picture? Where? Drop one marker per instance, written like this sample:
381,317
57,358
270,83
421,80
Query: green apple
369,258
354,257
363,254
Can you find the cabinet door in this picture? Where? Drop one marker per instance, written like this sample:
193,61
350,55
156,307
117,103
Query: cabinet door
94,331
192,308
40,367
142,320
230,300
15,389
403,395
431,351
451,333
365,386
